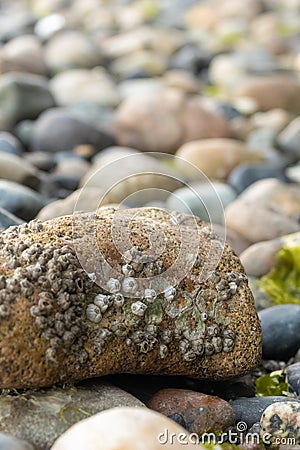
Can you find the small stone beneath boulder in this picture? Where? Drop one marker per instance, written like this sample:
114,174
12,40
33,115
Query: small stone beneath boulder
198,413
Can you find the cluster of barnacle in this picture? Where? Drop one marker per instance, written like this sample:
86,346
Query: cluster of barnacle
51,273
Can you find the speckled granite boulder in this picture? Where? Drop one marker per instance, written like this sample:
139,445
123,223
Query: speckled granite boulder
58,324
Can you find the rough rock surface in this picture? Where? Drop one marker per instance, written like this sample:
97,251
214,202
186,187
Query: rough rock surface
57,324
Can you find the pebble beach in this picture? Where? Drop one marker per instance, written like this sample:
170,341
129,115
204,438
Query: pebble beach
149,224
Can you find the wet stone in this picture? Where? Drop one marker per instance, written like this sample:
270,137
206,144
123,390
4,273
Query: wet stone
196,412
40,417
280,327
250,410
282,420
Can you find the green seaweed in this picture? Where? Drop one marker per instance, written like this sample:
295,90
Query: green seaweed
282,283
274,383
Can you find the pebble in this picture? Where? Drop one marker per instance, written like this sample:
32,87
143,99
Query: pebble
293,376
70,50
289,138
235,240
20,200
10,144
42,416
141,336
125,428
8,442
23,54
246,174
41,160
274,206
72,167
86,200
175,117
23,96
276,119
70,131
205,200
280,327
198,413
137,177
250,410
259,258
14,168
7,219
216,157
82,85
269,92
282,420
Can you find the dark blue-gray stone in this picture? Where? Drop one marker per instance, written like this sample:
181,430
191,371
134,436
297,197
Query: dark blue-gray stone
246,174
293,376
23,96
59,129
20,200
280,331
7,219
249,410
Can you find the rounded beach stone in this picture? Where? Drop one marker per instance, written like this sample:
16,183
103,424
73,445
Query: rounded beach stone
23,54
175,117
81,85
289,138
126,428
198,413
42,416
274,205
20,200
260,258
280,327
250,410
293,376
282,420
14,168
70,131
216,157
71,50
269,92
23,96
7,219
205,326
85,201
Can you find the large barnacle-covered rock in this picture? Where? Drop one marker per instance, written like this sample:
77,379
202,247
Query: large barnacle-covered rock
134,291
